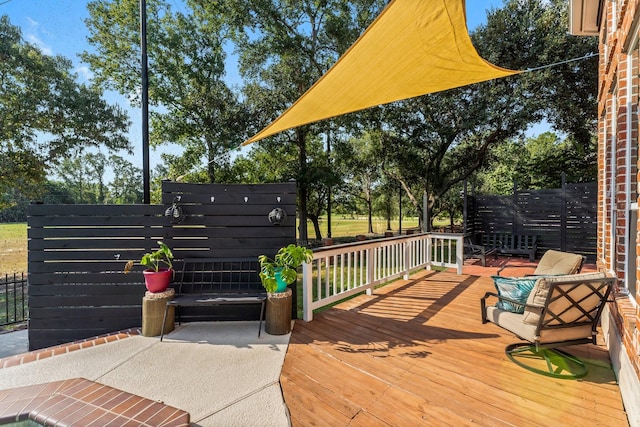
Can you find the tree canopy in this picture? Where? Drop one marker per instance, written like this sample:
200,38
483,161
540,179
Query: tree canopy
45,115
427,145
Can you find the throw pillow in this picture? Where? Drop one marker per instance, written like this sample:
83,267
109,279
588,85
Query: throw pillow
515,288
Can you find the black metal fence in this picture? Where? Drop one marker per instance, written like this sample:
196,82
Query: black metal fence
13,299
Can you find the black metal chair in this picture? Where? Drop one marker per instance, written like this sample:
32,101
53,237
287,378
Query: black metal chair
559,311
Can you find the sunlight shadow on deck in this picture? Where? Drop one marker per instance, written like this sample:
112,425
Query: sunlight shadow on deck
417,353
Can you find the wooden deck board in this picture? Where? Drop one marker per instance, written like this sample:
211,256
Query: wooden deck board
416,353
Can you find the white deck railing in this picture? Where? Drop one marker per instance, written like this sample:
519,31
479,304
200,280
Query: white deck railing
338,272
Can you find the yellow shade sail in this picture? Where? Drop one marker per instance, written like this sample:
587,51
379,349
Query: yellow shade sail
413,48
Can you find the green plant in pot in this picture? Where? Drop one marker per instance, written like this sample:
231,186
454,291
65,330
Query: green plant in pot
282,270
159,270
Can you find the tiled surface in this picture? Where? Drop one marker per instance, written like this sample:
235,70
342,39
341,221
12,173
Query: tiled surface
81,402
521,266
20,359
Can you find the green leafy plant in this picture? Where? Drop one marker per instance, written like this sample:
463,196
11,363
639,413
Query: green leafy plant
286,261
154,260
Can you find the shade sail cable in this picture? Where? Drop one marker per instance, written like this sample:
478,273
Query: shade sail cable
542,67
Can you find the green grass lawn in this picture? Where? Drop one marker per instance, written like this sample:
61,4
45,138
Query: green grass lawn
345,225
13,248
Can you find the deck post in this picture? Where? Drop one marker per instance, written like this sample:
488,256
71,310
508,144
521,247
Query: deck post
407,259
307,291
371,266
459,253
429,251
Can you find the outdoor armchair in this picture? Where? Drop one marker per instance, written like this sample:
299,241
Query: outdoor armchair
559,311
554,263
476,251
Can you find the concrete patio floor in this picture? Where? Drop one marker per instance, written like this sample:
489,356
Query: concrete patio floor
221,373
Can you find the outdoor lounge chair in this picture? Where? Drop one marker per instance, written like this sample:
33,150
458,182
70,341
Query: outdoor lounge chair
554,263
476,251
559,311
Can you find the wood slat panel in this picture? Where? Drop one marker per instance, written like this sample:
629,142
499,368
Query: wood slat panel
417,353
77,252
563,219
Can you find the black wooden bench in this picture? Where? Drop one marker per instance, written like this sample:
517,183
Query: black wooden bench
218,281
511,244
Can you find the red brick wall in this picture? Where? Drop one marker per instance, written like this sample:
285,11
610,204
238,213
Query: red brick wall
618,102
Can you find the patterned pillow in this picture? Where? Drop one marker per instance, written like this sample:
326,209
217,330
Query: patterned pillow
515,288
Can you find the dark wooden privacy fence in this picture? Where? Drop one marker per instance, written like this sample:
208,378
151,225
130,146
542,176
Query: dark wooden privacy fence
563,219
77,288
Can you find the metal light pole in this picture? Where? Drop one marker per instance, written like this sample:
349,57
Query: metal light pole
329,190
145,104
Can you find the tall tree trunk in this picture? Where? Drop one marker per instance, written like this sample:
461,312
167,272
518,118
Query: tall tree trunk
315,220
370,213
211,164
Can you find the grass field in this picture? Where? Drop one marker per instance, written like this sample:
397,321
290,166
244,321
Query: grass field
342,226
13,248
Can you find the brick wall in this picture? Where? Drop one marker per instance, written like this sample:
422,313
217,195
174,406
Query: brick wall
617,160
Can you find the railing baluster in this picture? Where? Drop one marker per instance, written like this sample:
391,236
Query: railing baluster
364,265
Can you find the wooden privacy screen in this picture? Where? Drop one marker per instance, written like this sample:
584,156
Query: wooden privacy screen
77,288
564,219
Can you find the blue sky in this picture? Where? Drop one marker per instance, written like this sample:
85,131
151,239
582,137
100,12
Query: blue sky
57,27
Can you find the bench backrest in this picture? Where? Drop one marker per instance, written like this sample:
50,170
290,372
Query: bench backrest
219,276
511,241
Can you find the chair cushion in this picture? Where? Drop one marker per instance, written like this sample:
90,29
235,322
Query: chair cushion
538,296
512,322
515,288
556,262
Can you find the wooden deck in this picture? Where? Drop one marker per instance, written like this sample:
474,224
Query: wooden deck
416,353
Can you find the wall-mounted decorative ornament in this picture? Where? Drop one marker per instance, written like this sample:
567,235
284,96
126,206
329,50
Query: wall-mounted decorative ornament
175,212
277,216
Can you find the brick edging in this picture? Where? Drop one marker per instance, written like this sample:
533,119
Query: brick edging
32,356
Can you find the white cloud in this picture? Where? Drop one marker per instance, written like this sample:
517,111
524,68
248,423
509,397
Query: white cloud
33,37
84,72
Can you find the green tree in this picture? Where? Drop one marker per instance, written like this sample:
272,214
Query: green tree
191,104
77,176
359,159
538,163
126,187
529,34
284,48
437,141
45,114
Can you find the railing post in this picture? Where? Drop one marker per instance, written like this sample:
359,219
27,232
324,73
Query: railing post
459,253
371,260
407,259
307,291
429,250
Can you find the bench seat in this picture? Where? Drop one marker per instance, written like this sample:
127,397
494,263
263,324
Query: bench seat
511,244
218,281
